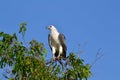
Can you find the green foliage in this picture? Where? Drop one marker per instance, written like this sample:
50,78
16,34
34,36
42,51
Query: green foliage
29,62
23,28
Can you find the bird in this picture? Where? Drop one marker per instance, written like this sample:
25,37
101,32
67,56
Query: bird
57,43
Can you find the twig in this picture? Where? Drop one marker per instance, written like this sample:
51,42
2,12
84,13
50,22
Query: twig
98,56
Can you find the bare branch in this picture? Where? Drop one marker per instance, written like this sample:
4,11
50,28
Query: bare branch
97,57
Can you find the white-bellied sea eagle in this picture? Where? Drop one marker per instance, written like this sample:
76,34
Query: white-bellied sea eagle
57,43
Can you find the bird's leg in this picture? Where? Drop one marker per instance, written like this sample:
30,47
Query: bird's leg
53,55
60,51
58,57
53,59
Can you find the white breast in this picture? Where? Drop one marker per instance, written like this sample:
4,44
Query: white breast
55,35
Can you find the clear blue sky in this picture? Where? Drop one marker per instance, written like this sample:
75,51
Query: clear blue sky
93,24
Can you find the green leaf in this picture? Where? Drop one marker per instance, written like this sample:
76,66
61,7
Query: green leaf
1,34
23,28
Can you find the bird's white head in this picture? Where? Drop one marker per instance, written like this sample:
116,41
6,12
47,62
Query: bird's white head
52,28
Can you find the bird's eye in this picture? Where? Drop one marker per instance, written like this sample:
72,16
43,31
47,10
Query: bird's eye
50,26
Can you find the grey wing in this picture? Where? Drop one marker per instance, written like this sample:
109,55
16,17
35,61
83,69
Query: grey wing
49,41
63,43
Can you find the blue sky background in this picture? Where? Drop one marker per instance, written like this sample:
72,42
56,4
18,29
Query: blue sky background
93,24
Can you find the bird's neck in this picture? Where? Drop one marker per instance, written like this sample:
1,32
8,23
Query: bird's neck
55,32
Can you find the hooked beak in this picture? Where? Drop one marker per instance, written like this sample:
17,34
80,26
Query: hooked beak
48,27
